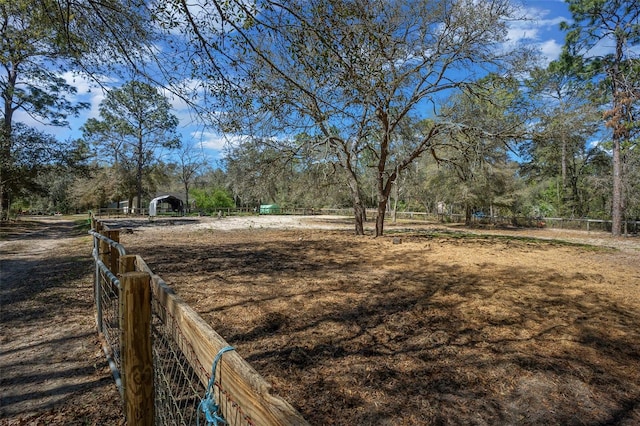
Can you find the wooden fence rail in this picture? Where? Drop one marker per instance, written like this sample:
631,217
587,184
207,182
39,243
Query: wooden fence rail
242,384
243,396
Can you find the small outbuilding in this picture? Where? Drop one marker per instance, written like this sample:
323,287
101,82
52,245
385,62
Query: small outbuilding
269,209
165,204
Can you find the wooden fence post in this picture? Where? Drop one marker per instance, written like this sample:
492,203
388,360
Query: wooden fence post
127,264
114,256
137,359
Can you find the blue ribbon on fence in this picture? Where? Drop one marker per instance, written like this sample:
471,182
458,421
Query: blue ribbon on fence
208,404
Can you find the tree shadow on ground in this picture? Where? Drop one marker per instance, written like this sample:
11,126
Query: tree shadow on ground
53,371
43,229
38,381
348,343
30,287
537,366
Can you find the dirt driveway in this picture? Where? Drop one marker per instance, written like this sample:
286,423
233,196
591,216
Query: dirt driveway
53,371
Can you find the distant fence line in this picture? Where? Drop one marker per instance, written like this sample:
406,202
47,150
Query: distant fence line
166,360
629,226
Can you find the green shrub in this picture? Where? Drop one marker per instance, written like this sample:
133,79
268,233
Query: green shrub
209,200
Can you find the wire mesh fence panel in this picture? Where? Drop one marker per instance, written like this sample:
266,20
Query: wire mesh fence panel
178,383
110,304
183,392
177,386
233,412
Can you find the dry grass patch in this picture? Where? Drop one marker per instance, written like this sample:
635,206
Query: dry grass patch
439,329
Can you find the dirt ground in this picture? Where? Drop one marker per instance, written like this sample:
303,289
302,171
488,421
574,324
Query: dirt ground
428,325
52,370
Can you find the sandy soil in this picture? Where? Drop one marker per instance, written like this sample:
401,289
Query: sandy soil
53,371
427,325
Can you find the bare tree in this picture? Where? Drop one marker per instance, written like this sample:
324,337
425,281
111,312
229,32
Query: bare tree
355,77
190,162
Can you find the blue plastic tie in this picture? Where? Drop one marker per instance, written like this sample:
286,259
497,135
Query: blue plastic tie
208,404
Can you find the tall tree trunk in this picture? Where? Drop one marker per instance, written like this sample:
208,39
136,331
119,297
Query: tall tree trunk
563,167
394,209
384,192
359,210
1,196
563,196
616,199
382,210
5,153
139,190
620,132
186,197
5,141
140,165
360,214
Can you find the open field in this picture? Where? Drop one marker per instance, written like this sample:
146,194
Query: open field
428,326
440,327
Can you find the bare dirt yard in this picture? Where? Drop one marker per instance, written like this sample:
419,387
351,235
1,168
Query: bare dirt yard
52,370
428,325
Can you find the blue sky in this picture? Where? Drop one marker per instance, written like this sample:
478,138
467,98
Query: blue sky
541,29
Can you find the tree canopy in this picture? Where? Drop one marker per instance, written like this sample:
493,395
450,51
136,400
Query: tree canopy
356,77
42,41
598,47
368,103
135,122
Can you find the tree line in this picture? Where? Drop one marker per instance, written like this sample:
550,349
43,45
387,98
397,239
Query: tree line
334,103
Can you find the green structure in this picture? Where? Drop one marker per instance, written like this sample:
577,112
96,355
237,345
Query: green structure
269,209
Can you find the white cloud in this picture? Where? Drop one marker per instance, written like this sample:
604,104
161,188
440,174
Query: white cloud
607,45
550,50
215,141
534,25
83,84
88,90
183,109
22,117
540,28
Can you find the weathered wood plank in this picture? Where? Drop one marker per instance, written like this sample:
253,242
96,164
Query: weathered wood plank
242,383
114,254
105,252
127,264
137,358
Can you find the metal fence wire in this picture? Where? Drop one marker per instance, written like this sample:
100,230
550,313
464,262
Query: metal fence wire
109,301
177,387
178,375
